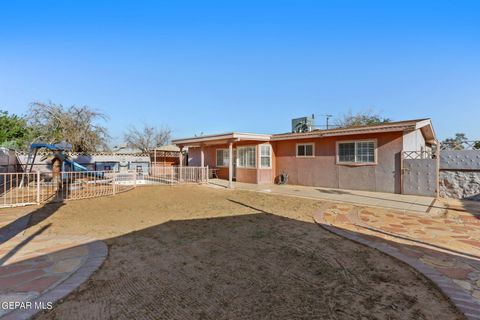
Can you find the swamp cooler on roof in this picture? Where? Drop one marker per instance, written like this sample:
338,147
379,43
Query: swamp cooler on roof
303,124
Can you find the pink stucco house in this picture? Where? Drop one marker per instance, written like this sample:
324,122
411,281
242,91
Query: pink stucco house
364,158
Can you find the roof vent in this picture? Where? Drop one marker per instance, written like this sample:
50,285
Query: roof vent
303,124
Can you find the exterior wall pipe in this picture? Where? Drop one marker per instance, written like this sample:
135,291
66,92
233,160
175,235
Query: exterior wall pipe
180,178
38,187
437,171
230,165
202,160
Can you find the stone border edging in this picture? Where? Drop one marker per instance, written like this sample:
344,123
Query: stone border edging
97,253
462,300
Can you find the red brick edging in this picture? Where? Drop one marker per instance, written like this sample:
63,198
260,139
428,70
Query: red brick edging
97,253
461,299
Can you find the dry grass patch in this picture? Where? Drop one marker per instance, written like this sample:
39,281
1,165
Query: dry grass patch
193,252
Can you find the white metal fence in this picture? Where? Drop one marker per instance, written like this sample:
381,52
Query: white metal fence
90,184
19,189
175,174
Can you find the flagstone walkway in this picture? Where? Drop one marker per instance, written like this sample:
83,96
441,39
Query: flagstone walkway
446,249
37,269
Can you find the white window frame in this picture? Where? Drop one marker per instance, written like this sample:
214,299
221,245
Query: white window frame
260,156
359,163
255,158
216,157
305,144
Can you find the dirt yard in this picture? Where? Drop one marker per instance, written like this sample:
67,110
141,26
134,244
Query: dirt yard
194,252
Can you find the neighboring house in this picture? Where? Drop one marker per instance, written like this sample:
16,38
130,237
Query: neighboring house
8,160
364,158
99,161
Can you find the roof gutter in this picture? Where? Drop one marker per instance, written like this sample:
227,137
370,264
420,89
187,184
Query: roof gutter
237,136
340,133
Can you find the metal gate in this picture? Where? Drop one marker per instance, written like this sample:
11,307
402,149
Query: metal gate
420,174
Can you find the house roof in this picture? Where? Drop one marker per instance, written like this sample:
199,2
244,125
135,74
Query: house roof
409,125
425,125
221,138
168,148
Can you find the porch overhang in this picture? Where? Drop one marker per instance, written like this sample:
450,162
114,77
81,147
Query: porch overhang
222,138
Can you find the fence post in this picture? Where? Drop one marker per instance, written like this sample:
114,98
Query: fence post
437,170
38,187
402,171
207,174
113,182
135,179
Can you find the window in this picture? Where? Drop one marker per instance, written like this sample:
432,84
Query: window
365,151
222,158
246,157
305,150
265,156
356,152
346,152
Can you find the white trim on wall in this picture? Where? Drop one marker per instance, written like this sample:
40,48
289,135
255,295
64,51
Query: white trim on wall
260,155
216,157
238,154
355,163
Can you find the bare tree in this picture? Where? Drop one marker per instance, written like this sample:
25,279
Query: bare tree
147,138
76,125
366,118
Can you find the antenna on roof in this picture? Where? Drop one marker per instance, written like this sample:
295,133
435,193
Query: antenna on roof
327,117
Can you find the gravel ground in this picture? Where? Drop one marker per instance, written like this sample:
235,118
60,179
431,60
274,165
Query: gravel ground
193,252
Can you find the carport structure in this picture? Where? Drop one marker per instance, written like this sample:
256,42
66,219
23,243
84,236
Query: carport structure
225,147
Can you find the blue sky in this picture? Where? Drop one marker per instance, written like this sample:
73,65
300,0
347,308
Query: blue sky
217,66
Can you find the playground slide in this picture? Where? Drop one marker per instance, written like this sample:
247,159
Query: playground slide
58,149
77,166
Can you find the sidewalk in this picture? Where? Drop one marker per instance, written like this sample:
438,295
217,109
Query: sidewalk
400,202
445,249
37,269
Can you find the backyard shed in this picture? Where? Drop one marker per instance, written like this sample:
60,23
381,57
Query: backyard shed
168,155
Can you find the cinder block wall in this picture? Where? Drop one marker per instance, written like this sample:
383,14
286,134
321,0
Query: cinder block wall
460,174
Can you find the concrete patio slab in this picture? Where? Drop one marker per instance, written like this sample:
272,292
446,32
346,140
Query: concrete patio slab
400,202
